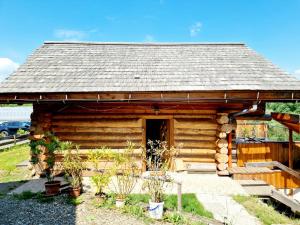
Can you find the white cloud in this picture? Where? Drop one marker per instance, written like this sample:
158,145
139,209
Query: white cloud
149,38
70,35
7,66
195,29
297,74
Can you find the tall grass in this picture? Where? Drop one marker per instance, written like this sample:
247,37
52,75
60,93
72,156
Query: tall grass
264,212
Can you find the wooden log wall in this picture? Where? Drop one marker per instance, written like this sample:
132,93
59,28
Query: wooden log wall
194,127
196,136
268,151
94,131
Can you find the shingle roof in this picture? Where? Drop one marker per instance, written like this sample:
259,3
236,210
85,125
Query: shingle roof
97,67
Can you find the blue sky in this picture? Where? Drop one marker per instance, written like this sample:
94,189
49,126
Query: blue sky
271,27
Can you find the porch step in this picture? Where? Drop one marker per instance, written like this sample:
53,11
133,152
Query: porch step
286,200
256,187
201,167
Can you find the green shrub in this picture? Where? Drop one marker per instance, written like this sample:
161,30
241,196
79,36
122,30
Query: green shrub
74,201
40,197
25,195
175,218
134,199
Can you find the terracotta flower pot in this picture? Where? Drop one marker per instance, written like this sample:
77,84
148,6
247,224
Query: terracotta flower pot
74,192
52,187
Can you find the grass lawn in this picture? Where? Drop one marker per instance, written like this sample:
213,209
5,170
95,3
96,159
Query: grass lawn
9,158
190,203
264,212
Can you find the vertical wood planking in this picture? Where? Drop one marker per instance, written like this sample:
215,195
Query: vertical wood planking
269,151
291,148
279,179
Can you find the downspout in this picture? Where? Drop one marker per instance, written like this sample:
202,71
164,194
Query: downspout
252,109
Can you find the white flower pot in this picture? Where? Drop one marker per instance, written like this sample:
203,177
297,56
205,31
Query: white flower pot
156,210
120,203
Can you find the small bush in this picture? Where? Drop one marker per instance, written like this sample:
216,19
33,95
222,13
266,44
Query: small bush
40,197
175,218
74,201
25,195
138,212
22,132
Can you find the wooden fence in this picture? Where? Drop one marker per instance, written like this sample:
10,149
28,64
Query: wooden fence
267,151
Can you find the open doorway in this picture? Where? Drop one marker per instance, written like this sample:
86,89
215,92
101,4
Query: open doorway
156,130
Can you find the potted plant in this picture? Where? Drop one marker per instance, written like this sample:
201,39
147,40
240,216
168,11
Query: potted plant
127,174
155,185
73,167
158,161
47,146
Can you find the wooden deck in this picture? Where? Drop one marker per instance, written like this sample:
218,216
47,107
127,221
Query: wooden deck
277,178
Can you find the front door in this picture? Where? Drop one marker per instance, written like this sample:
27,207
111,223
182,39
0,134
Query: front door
157,130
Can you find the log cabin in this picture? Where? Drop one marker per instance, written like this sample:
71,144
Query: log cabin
187,94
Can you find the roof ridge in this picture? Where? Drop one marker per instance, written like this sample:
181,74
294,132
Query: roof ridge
144,43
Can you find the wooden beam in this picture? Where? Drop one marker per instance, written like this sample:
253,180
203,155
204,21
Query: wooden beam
286,117
172,96
292,126
250,117
291,121
229,137
291,148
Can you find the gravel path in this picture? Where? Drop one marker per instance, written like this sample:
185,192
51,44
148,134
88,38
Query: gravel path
58,212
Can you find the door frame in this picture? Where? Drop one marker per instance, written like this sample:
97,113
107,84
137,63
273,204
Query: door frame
169,118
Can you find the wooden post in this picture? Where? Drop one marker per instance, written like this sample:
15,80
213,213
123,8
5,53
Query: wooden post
144,143
291,148
179,196
230,150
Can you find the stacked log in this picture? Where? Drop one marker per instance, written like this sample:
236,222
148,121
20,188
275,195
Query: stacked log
40,124
221,157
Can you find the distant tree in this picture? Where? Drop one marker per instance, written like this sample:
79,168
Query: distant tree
284,107
276,131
